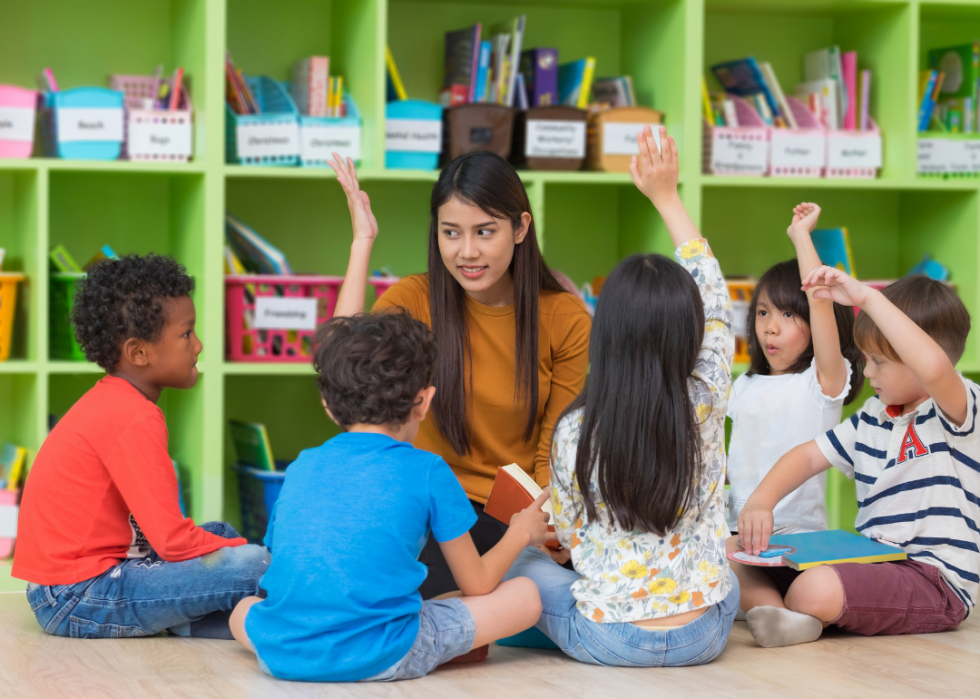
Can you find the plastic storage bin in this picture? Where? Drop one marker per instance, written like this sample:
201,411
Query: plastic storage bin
8,308
737,150
154,134
413,135
854,154
612,136
321,137
60,301
271,318
269,138
473,127
83,123
799,152
17,108
258,492
948,156
550,138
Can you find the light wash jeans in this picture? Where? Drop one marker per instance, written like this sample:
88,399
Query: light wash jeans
141,597
624,645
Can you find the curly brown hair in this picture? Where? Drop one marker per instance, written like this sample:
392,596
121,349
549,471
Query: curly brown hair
371,367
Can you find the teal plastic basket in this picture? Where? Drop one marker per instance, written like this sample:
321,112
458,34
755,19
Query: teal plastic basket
278,121
95,106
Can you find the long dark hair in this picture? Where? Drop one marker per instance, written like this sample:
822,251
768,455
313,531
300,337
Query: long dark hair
489,182
781,284
639,430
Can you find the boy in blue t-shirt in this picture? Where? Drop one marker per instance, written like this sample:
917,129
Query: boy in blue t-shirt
343,602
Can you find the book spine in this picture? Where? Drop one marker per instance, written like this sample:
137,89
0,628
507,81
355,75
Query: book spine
585,91
849,61
475,63
865,123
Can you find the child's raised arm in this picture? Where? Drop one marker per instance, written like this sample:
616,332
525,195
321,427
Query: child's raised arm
919,352
655,174
831,367
351,299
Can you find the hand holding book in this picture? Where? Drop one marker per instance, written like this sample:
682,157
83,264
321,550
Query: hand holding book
532,522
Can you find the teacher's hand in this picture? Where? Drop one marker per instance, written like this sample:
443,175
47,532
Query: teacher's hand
362,218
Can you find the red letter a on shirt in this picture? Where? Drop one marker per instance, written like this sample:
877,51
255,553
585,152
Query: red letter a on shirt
912,446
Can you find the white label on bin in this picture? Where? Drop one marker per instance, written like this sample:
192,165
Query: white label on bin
8,521
739,153
547,138
90,124
289,313
321,141
857,150
942,156
413,135
620,138
798,149
267,140
16,124
160,135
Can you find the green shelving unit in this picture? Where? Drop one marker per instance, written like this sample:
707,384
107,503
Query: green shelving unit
587,221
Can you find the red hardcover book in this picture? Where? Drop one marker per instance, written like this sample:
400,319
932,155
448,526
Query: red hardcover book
514,490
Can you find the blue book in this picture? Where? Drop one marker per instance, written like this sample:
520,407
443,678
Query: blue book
483,71
834,546
744,78
255,252
834,248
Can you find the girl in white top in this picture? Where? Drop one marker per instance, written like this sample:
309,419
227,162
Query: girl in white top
804,368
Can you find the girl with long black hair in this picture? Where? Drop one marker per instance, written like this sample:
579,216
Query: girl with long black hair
512,344
638,459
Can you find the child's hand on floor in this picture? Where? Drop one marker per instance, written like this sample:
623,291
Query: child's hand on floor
836,285
533,522
362,218
655,171
805,217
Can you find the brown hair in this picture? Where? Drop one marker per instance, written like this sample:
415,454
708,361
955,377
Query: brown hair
931,305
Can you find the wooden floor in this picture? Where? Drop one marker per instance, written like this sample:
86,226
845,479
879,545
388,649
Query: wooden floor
35,665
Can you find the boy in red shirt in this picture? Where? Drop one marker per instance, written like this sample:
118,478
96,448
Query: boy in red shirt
101,540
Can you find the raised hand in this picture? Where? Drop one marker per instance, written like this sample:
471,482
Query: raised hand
362,218
805,218
836,285
655,171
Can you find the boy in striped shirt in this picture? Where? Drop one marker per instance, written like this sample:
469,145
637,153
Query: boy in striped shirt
914,452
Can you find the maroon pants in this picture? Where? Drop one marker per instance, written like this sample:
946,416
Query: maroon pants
889,598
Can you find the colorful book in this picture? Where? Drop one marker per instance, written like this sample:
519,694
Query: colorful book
461,57
961,66
825,64
772,82
308,85
539,68
395,87
575,82
822,98
520,93
806,550
514,490
105,253
744,78
483,71
62,261
849,68
618,92
864,111
252,445
833,247
255,252
12,461
514,30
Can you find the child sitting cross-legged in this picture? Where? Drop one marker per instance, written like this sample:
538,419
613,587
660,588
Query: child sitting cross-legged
914,452
343,588
102,541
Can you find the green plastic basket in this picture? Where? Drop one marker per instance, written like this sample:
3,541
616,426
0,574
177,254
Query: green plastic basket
62,336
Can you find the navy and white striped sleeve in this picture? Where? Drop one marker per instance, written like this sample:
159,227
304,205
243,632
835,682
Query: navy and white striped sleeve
967,432
837,445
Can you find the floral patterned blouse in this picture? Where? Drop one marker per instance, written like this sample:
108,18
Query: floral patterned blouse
634,575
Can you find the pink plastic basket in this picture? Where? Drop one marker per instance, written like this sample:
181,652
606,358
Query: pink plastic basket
17,109
172,125
245,342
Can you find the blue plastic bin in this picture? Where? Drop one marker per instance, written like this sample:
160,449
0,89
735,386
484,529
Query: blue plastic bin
69,113
258,492
279,120
346,142
403,123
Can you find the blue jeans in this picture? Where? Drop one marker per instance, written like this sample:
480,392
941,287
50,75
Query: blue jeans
623,645
141,597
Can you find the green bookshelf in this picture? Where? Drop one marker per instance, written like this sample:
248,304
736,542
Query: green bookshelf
587,221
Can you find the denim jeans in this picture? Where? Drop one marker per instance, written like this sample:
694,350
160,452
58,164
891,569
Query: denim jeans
141,597
624,645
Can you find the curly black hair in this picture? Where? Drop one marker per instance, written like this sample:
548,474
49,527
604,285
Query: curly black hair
372,367
124,298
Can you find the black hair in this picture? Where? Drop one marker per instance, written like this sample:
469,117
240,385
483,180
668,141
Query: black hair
489,182
371,367
124,298
781,285
639,432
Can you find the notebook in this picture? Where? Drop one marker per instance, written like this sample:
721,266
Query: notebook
252,445
514,490
811,549
834,248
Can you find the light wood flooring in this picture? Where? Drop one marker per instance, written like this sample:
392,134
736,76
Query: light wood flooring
39,666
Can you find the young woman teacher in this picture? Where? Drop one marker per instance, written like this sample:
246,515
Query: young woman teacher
513,345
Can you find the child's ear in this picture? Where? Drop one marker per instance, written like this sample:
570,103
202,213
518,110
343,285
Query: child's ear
329,414
135,352
423,401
